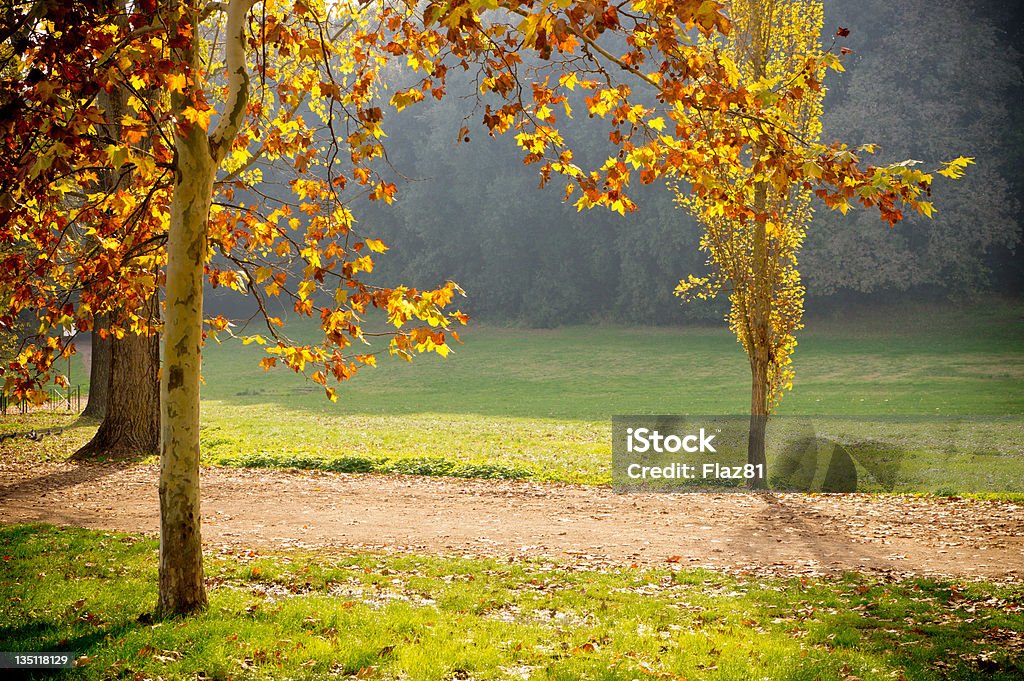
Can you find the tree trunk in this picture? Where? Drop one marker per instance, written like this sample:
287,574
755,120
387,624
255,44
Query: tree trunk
113,104
131,425
181,557
197,157
758,423
129,399
759,346
99,377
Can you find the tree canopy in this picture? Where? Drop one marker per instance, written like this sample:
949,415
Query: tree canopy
599,265
321,73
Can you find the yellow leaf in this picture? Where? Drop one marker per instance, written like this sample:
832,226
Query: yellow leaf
117,155
176,82
812,169
363,264
955,169
197,117
262,274
402,99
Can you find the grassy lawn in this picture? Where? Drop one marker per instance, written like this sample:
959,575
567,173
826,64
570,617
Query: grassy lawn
941,388
378,616
514,402
938,361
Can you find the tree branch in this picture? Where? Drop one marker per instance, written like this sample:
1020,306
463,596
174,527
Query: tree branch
238,80
211,8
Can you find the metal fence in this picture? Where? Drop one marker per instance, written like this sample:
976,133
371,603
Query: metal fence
57,399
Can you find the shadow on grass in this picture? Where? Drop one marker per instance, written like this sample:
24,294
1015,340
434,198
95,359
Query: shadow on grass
924,627
46,637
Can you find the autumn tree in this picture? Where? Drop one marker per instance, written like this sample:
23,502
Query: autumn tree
753,252
125,366
99,189
772,42
48,81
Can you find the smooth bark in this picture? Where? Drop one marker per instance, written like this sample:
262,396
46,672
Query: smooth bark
197,156
760,321
759,345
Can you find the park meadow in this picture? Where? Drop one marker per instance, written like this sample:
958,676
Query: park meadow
517,403
341,339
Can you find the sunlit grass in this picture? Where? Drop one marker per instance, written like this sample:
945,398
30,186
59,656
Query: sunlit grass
539,402
516,402
377,616
930,362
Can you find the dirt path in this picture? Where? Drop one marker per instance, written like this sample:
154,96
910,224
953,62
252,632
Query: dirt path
783,533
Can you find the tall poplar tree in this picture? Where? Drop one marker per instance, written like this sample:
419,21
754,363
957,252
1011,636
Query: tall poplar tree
773,43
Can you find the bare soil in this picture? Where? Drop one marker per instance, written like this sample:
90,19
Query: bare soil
771,533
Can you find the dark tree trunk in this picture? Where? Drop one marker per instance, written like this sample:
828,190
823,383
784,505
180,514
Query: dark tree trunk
131,393
131,426
760,340
758,423
99,376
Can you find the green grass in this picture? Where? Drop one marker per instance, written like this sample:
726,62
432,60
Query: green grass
391,617
901,362
538,403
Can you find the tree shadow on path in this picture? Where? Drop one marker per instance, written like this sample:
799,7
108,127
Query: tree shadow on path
27,484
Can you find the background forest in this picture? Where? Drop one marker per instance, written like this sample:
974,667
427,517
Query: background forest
471,212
